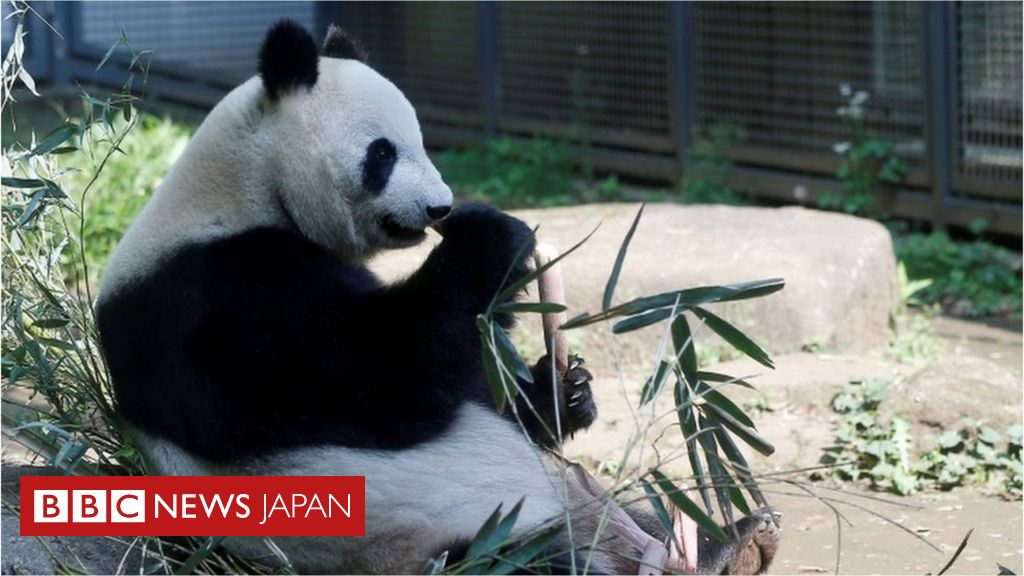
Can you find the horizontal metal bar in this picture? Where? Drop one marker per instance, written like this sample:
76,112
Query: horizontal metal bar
1001,217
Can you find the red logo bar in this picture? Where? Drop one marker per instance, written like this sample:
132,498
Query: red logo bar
193,506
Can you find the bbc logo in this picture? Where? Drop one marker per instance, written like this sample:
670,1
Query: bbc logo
57,506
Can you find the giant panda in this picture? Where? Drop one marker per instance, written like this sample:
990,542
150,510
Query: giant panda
245,335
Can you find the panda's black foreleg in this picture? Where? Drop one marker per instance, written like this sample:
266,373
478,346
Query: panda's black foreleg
552,408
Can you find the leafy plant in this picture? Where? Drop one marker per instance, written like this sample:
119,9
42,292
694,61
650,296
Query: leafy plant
868,164
705,415
58,401
882,452
975,454
868,448
911,338
123,187
974,278
706,179
514,173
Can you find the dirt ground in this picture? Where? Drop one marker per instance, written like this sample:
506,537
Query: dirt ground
796,418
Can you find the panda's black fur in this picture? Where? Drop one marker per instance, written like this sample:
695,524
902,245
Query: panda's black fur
288,58
249,339
338,44
264,341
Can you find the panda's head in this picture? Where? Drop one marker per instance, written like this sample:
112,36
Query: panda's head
345,150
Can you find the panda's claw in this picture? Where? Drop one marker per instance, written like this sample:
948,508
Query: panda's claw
581,411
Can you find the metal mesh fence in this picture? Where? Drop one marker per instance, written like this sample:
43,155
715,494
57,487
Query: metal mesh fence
988,152
632,81
775,68
599,69
428,49
216,40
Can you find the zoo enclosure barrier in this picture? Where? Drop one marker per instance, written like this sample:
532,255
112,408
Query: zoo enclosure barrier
636,83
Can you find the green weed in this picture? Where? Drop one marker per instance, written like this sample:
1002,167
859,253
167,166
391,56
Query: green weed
975,278
868,164
882,452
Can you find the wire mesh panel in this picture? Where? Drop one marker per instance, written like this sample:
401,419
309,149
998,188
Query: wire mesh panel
599,68
988,66
428,49
775,68
216,40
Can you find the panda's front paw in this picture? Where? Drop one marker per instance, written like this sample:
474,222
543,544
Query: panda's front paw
580,408
489,245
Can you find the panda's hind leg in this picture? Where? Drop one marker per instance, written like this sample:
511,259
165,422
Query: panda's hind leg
751,553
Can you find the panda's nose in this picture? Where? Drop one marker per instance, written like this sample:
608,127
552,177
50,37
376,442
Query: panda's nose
438,212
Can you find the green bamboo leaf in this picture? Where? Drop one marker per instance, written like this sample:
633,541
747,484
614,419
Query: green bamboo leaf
723,378
35,205
688,506
192,562
641,321
22,182
733,336
509,293
55,138
688,424
686,299
436,565
742,470
613,279
654,384
530,307
746,433
480,542
720,478
738,500
721,401
682,341
659,507
137,57
494,531
510,356
524,554
491,370
110,52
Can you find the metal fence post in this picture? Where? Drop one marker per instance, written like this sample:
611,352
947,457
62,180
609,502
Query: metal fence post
64,14
682,47
487,32
325,14
938,88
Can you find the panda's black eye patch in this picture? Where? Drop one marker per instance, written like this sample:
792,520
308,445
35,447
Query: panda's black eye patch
378,164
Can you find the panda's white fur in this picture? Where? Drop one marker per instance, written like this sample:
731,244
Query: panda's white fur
247,151
417,501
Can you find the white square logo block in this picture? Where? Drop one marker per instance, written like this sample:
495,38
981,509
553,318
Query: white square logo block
50,506
127,505
89,505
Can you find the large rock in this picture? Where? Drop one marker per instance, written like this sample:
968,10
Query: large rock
839,270
942,394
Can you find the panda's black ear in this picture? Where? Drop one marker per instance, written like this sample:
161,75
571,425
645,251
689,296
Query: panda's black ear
288,58
338,44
